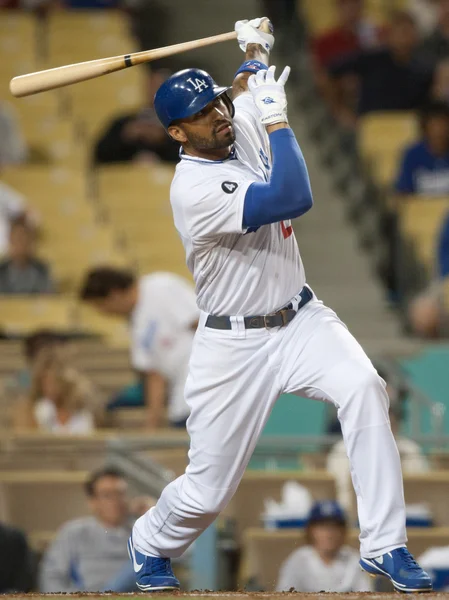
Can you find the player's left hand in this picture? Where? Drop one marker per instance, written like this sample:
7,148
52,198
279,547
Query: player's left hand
252,32
269,95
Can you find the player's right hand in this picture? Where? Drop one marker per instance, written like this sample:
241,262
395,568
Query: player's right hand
256,31
269,95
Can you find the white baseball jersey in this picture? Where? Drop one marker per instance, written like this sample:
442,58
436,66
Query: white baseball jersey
306,572
236,272
162,333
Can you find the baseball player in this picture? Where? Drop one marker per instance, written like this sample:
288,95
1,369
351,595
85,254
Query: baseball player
262,332
163,316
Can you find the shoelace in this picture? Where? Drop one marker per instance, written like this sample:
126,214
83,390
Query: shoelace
161,566
409,562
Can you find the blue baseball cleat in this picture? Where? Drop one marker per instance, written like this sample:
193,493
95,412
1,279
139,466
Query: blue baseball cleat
402,570
152,574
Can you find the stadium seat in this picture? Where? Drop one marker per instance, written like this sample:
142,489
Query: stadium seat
431,488
420,220
41,500
23,314
102,34
264,551
144,218
382,137
247,505
42,185
114,330
136,183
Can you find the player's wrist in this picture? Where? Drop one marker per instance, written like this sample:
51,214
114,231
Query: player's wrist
276,126
251,66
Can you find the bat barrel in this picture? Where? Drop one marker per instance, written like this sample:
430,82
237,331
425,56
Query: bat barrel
50,79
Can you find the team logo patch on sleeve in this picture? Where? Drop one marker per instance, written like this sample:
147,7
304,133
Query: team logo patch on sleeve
229,186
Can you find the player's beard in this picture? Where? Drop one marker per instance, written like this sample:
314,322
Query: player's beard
217,141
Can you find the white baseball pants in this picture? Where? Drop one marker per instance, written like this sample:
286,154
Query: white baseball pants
234,380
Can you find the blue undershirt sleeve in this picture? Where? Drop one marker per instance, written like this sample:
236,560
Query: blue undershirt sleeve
288,193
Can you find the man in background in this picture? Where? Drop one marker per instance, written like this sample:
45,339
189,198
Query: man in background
390,78
424,168
325,564
22,272
90,554
162,313
352,33
435,47
138,136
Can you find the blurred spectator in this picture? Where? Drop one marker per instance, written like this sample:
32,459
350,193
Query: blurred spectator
425,13
412,458
61,400
440,87
436,46
90,554
427,314
162,312
425,165
12,206
21,272
18,386
12,145
436,563
326,564
390,78
138,136
352,34
16,565
92,3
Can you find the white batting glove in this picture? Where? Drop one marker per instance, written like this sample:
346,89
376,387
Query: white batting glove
248,33
269,95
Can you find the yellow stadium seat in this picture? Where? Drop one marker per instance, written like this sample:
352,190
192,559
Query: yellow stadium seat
103,33
421,220
96,103
20,314
114,330
134,182
382,137
42,185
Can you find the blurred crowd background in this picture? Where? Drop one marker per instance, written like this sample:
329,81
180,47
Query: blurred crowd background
97,308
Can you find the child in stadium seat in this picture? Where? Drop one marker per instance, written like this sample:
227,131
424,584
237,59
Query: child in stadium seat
61,400
325,564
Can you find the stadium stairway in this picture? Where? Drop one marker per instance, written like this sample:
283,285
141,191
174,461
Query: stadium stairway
336,267
221,59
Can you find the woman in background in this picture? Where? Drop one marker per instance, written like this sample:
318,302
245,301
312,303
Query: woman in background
61,400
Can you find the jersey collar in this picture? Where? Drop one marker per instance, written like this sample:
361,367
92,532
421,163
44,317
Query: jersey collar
184,156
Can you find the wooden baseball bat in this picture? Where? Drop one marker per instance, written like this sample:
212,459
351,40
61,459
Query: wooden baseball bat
50,79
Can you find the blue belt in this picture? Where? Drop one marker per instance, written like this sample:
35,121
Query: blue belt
278,319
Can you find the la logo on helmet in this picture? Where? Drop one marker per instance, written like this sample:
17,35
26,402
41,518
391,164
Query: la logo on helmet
199,85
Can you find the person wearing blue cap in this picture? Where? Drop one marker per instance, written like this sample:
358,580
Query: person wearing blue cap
325,564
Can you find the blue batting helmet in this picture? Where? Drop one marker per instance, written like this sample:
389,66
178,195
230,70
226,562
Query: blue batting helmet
186,93
326,510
